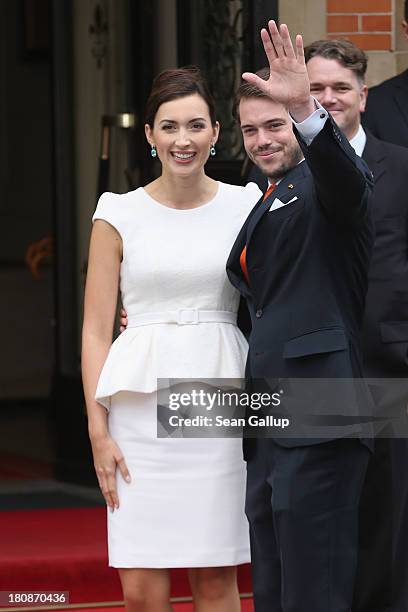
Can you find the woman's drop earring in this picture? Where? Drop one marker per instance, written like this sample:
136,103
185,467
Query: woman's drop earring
212,151
153,151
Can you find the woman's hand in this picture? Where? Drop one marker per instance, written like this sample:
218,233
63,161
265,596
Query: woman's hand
288,82
107,458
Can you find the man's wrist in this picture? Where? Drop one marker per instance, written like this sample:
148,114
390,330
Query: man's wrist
301,111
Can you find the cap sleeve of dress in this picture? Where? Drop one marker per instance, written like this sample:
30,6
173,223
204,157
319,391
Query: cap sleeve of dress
109,209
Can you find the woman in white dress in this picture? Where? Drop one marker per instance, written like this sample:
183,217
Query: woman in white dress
173,502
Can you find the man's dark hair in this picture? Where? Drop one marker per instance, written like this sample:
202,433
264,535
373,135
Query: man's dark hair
406,10
247,90
347,54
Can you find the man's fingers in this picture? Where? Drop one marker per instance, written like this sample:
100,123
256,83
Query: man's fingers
268,46
124,470
300,51
123,320
123,312
254,79
286,40
276,39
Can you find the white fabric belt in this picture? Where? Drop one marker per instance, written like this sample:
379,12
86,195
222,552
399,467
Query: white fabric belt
184,316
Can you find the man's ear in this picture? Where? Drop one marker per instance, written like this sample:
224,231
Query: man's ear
363,98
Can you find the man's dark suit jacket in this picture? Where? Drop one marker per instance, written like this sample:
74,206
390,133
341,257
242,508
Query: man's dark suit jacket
308,266
386,114
385,323
381,580
385,330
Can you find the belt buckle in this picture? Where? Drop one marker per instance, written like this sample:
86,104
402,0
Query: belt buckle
188,316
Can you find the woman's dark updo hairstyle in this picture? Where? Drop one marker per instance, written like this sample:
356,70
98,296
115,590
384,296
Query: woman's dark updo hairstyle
178,83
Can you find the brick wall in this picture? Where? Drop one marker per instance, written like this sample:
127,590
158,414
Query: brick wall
367,23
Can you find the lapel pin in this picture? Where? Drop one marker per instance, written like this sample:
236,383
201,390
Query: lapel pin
290,186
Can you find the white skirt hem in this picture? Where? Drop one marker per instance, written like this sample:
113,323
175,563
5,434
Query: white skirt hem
221,560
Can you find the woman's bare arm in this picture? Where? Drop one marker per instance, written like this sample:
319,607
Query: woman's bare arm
101,293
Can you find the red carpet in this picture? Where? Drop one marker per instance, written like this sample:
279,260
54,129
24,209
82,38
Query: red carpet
246,606
65,550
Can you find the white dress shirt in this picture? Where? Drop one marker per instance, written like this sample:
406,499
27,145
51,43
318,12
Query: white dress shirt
358,142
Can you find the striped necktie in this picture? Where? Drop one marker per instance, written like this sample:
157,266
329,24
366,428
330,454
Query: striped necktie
242,259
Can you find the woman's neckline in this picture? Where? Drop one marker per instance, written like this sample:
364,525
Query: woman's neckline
183,210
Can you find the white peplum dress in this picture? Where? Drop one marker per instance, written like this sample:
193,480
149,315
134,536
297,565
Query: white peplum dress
185,504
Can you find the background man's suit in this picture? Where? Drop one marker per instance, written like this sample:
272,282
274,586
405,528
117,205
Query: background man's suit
386,114
307,263
384,543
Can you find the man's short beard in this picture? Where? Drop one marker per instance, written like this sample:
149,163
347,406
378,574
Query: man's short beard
292,159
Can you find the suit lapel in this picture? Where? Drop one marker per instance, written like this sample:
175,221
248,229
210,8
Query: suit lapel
286,187
233,263
375,156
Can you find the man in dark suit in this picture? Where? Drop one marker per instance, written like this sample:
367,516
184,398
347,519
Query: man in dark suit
386,113
336,70
301,260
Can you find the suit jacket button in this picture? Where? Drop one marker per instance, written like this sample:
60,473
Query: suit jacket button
259,313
